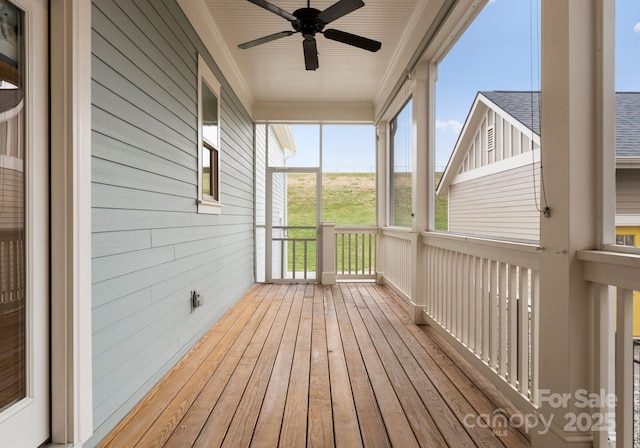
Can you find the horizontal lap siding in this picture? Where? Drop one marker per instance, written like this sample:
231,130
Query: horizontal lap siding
150,246
501,204
628,191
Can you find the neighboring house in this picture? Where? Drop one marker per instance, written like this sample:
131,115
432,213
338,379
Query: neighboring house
628,168
489,179
493,182
493,178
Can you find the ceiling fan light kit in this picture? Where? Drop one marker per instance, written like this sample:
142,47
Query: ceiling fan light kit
309,21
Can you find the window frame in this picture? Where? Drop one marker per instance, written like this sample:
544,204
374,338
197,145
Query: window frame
391,151
209,204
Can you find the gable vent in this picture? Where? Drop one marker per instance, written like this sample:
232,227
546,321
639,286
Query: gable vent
491,138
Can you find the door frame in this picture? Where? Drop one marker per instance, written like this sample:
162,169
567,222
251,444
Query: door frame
71,366
269,221
27,421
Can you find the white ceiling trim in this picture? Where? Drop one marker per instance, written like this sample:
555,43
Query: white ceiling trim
200,18
403,54
313,112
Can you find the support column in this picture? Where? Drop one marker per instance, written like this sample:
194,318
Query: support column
328,253
422,184
71,359
381,196
571,123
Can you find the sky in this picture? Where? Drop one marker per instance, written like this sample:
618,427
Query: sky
499,51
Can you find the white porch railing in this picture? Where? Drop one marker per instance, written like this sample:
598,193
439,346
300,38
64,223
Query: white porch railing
297,253
11,269
485,294
348,252
615,278
397,247
355,252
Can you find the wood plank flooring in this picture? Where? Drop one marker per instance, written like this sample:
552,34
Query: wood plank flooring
319,366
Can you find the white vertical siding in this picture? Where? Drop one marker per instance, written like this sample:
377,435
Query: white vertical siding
509,141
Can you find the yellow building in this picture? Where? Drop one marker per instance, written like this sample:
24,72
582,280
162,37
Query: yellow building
630,236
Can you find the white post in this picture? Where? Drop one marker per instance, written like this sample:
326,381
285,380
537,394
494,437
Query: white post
422,185
71,364
328,253
571,121
381,197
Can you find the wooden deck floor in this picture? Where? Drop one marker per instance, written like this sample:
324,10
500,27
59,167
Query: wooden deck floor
305,365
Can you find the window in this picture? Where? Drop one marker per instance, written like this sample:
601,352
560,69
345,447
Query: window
401,168
208,140
626,240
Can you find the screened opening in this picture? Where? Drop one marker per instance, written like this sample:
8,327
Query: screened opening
488,126
401,167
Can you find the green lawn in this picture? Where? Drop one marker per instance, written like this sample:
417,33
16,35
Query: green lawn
347,199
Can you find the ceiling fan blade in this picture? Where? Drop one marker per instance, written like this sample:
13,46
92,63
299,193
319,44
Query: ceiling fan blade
310,48
352,39
274,9
265,39
339,9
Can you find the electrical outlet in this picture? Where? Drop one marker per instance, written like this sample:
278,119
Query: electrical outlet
197,299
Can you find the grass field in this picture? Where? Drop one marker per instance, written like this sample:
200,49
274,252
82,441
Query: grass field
347,199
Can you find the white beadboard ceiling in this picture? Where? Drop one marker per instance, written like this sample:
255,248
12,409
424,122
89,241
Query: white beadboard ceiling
274,72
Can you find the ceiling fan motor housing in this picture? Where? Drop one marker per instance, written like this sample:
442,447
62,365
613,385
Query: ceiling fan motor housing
308,23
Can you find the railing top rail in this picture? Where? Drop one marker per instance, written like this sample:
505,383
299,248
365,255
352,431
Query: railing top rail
11,234
611,268
357,229
518,253
294,227
398,232
293,239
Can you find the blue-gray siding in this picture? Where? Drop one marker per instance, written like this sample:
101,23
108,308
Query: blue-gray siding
150,246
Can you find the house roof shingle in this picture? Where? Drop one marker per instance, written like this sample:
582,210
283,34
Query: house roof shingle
519,106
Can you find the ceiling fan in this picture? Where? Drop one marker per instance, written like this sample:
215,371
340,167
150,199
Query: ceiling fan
309,21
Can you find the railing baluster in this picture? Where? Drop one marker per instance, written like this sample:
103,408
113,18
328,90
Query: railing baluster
305,259
465,299
486,312
493,310
370,259
473,297
283,247
16,273
535,327
293,256
502,325
349,246
446,293
356,254
624,368
479,306
440,289
523,331
512,339
342,254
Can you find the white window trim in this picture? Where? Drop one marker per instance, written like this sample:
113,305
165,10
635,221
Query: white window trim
206,205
